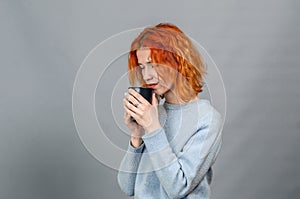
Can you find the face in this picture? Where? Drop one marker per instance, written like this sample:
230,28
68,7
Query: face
150,76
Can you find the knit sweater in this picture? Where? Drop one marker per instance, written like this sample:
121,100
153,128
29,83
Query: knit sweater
175,161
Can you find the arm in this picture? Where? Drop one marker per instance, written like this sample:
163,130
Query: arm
179,175
131,160
128,169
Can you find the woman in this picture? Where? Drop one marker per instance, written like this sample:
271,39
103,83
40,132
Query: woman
174,145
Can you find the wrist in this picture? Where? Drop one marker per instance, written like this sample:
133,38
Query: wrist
136,142
152,128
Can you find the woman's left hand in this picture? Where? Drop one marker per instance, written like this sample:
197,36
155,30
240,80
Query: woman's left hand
142,111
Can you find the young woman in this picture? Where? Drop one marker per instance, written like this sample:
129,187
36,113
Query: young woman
174,145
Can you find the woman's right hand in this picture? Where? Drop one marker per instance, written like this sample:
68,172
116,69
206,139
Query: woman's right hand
137,130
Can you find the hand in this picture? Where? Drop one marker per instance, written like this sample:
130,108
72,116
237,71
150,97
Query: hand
137,130
141,110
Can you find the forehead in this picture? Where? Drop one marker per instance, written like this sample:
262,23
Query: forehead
143,55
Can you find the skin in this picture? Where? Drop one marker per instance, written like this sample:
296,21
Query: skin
135,105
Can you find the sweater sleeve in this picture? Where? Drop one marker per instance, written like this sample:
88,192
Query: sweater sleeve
180,174
128,169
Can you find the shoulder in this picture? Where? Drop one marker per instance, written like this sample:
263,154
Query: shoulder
207,114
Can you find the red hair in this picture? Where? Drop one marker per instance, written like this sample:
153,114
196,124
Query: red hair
169,46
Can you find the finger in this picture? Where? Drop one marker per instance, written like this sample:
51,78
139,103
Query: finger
132,99
132,108
126,115
126,110
154,99
134,115
131,114
138,96
127,119
124,104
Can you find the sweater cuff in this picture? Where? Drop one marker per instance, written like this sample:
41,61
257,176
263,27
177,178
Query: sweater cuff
156,140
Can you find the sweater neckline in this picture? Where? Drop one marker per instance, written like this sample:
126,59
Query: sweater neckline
169,106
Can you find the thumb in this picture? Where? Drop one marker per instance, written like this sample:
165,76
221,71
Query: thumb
154,100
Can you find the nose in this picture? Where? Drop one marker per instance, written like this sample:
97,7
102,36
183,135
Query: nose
149,73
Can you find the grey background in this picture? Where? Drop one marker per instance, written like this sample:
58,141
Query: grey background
254,43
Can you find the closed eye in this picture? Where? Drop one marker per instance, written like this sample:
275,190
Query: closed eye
149,63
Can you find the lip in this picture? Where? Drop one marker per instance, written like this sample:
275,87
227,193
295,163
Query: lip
151,85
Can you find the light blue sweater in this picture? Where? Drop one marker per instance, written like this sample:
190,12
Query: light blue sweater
175,161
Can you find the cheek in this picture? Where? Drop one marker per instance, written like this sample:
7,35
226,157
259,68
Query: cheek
161,89
166,84
143,74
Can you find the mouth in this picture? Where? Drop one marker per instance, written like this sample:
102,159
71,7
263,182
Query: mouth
151,85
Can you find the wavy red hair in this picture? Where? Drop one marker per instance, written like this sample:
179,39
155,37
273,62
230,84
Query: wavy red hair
169,46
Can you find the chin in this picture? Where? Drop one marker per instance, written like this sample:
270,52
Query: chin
156,91
159,91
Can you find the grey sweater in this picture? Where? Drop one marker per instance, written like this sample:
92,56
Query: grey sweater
175,161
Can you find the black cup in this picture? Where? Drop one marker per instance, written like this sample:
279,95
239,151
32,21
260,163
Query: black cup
145,92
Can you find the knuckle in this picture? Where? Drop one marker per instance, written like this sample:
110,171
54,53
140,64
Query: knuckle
129,98
131,91
130,105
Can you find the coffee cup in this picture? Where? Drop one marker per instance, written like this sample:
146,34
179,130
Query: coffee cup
145,93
